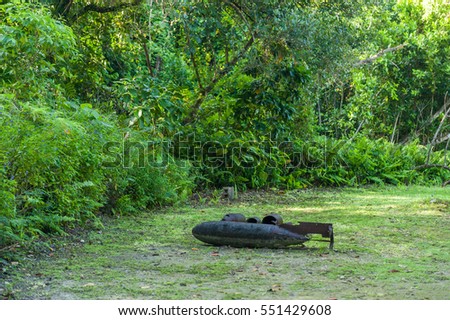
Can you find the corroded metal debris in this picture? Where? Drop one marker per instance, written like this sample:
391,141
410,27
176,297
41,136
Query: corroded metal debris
270,232
254,220
273,218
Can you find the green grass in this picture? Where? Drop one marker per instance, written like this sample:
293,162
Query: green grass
391,243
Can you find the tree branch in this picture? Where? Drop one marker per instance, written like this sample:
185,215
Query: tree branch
433,142
438,113
7,248
442,139
192,56
240,10
427,166
395,126
63,7
379,54
147,59
101,9
220,75
244,15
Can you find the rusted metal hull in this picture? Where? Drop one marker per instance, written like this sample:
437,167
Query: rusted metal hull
242,234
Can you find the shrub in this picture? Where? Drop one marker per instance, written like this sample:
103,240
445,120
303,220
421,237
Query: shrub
256,162
53,176
52,159
52,173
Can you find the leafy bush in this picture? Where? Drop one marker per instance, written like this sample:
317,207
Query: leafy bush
320,161
53,159
399,93
52,170
133,189
52,155
7,208
38,52
330,162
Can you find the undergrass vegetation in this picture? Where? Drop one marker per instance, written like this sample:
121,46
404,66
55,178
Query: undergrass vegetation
391,243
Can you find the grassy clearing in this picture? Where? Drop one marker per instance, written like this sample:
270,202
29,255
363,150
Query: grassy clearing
391,243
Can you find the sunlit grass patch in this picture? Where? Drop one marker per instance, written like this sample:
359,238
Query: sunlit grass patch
391,243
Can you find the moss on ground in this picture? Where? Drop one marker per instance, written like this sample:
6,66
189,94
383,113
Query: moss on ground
391,243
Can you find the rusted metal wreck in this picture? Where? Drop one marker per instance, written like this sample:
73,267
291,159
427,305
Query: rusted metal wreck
270,232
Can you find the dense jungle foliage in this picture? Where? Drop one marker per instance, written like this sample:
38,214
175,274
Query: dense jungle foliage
116,106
